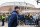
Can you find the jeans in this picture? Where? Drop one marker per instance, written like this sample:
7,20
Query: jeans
26,21
32,21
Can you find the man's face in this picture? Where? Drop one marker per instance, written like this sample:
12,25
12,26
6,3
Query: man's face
17,9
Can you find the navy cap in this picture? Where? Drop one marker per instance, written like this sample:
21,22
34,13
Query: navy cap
16,7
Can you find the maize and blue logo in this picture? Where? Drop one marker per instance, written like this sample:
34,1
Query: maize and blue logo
38,1
25,3
21,3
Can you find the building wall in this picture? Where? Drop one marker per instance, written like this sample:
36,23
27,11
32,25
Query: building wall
6,9
12,8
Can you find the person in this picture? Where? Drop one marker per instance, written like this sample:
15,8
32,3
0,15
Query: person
39,21
13,18
26,19
31,19
22,19
3,18
36,16
6,19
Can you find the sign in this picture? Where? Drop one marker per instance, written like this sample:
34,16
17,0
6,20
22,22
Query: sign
38,1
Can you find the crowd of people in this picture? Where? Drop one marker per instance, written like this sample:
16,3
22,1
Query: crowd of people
29,19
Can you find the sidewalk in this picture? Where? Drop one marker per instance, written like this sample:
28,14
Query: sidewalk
6,25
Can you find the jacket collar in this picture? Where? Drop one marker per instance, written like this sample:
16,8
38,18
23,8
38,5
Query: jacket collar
15,11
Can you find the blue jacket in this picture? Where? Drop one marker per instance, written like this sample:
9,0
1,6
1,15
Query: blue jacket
22,17
13,19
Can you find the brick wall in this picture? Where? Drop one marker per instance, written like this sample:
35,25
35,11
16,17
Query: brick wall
6,9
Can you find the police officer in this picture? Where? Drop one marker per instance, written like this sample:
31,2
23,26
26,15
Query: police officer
3,18
13,18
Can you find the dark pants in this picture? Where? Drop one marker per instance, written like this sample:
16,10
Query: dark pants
36,21
2,22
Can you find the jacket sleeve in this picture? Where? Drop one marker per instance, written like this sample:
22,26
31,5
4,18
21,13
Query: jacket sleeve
11,19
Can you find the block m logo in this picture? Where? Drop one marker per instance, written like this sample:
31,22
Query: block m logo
38,1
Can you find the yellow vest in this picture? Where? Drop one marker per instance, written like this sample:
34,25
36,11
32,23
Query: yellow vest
3,17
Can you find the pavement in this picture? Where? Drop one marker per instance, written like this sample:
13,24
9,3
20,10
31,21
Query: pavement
6,25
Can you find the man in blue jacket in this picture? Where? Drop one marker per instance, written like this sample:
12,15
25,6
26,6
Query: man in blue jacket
13,18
